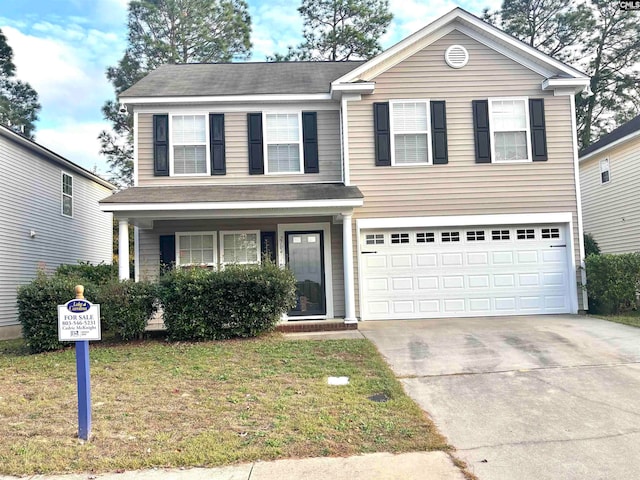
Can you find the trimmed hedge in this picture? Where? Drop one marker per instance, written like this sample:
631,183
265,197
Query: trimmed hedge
612,282
38,309
125,307
239,301
86,272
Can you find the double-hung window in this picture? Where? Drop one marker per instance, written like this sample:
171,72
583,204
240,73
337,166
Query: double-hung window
283,142
605,174
409,132
240,247
67,195
196,249
509,122
189,145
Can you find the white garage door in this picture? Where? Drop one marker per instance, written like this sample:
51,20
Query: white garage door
461,272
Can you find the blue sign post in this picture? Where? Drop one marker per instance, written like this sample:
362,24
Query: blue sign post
79,322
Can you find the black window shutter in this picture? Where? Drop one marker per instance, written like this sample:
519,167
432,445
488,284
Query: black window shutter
310,142
167,253
538,132
216,143
481,133
439,132
382,134
256,153
161,145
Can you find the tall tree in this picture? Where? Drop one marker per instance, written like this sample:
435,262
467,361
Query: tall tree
595,36
169,31
611,58
339,30
19,105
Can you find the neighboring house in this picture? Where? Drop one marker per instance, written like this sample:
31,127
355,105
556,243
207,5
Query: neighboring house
50,216
609,176
438,179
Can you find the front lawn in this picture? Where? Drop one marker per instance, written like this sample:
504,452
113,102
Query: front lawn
629,318
205,404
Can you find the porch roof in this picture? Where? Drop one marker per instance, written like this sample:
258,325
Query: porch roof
233,197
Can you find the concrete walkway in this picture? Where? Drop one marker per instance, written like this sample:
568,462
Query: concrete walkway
551,397
375,466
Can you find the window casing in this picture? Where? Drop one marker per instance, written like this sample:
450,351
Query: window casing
196,249
605,172
240,247
510,130
189,152
67,195
283,150
410,125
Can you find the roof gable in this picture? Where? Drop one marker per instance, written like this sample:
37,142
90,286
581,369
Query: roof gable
465,22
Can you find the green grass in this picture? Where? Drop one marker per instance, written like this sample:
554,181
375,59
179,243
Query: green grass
206,404
629,318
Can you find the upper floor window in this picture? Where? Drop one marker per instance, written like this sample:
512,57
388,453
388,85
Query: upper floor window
604,171
189,145
282,139
509,129
67,195
409,132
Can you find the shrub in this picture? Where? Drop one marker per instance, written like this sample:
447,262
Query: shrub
239,301
86,272
591,247
125,307
38,309
612,282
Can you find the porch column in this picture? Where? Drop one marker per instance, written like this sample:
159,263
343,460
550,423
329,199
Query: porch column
123,249
347,254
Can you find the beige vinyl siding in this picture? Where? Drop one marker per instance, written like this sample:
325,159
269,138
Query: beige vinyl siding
32,201
462,187
329,156
611,211
150,244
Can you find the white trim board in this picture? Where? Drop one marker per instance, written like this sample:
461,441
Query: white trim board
155,207
277,98
325,227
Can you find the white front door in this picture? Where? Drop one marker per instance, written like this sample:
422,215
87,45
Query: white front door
465,271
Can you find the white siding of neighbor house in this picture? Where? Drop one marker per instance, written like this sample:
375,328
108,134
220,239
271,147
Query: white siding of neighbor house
32,200
150,244
462,187
611,211
236,149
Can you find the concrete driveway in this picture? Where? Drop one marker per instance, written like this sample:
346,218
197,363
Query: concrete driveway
541,397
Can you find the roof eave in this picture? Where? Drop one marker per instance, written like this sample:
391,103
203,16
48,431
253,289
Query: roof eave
608,146
274,97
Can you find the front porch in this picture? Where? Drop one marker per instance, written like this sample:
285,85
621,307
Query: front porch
306,228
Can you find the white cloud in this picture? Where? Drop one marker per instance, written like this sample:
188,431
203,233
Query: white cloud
274,27
77,142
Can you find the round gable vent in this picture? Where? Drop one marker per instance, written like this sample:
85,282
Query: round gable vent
456,56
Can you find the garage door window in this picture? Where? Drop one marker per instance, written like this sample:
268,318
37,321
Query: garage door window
526,234
450,237
374,239
425,237
550,233
500,235
475,235
399,238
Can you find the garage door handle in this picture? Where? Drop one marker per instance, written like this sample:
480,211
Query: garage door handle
367,253
558,246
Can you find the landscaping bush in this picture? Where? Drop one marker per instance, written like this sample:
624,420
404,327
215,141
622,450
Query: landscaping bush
99,274
38,309
239,301
125,307
590,245
612,282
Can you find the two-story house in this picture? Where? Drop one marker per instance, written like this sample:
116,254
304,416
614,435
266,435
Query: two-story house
50,216
609,175
438,179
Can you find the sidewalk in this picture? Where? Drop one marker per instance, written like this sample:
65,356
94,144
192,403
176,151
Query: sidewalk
374,466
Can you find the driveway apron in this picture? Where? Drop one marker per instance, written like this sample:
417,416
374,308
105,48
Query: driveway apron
538,397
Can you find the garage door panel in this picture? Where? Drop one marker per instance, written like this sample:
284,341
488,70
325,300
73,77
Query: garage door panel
490,270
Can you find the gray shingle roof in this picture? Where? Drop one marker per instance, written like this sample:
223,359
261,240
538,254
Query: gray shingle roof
205,79
622,131
235,193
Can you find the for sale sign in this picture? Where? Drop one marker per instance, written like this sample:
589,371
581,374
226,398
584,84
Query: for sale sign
78,320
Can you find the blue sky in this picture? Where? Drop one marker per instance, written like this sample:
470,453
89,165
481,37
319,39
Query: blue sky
63,47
